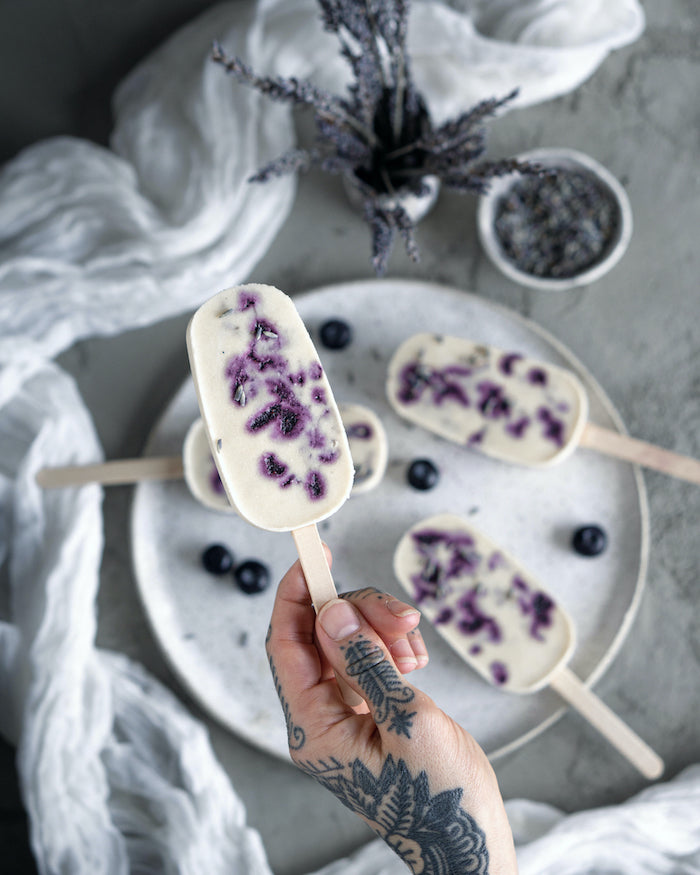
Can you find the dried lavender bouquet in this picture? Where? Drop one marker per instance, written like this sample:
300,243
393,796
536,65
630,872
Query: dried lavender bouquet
379,136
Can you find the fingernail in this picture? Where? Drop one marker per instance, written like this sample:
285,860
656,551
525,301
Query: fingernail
339,619
400,609
403,655
420,651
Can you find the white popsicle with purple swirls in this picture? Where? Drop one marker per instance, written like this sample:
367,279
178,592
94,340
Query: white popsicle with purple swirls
498,402
502,623
369,445
509,406
485,605
274,428
272,423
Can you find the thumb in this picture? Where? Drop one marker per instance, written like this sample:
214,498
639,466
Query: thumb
360,658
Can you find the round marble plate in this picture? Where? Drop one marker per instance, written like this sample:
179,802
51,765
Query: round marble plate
212,634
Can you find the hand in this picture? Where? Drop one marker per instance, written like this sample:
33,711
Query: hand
417,778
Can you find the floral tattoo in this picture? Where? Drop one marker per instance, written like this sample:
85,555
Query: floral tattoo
431,833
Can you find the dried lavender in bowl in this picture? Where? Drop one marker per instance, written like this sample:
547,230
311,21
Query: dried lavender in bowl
379,136
559,225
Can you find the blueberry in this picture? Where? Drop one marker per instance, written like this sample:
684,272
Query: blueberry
336,334
589,540
252,576
217,559
422,474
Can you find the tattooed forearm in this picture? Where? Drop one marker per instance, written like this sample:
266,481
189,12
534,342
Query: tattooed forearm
432,834
296,737
382,685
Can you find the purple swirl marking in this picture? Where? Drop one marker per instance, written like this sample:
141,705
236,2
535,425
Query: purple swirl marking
493,401
215,480
443,385
499,672
473,620
553,428
518,428
315,485
271,466
535,604
360,431
538,376
507,362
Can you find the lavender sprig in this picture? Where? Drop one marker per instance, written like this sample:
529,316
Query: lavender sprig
379,136
334,110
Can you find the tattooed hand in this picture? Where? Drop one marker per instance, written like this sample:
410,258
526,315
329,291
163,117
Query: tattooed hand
417,778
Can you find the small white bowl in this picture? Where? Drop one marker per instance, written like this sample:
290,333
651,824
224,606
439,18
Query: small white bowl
565,159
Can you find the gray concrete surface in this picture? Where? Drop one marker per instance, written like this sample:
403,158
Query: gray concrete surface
638,331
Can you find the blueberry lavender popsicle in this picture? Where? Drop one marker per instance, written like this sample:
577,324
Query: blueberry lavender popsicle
509,406
500,403
274,428
501,621
369,446
491,611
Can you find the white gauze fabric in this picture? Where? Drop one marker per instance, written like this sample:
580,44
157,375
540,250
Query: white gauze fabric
115,773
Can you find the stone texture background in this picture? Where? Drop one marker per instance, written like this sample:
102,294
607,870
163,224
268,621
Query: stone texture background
638,331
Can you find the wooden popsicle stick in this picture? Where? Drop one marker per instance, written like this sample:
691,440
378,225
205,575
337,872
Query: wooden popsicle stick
322,589
621,446
113,473
618,733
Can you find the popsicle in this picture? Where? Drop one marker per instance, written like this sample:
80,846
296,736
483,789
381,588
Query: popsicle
366,437
502,622
508,406
195,464
369,447
273,425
